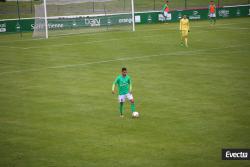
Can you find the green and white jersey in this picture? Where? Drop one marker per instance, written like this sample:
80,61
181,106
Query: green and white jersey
124,84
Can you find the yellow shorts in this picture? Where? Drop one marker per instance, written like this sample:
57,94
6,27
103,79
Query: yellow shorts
184,33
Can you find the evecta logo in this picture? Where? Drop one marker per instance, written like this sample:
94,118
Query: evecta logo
235,154
230,154
93,22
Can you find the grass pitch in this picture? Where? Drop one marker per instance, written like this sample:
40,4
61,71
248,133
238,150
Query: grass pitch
56,106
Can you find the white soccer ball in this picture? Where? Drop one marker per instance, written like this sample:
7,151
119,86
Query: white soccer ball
135,114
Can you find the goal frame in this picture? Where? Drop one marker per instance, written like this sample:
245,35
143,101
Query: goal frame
46,18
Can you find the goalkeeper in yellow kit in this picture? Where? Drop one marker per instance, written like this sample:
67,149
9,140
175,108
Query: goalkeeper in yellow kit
184,29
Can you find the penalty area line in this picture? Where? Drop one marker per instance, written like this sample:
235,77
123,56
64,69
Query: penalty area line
181,53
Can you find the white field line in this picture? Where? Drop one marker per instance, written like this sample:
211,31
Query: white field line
94,34
78,43
234,28
86,64
181,53
107,40
66,44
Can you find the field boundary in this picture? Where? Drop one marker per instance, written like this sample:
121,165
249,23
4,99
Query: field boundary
94,34
103,20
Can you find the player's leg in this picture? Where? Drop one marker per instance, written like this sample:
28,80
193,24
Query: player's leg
165,14
214,18
121,99
210,18
132,102
186,37
132,105
186,41
121,108
182,37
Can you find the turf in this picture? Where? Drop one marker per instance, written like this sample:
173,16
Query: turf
56,106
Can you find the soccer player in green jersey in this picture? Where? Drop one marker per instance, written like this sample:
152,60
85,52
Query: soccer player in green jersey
165,9
124,83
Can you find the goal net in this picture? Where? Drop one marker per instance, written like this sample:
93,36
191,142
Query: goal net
62,17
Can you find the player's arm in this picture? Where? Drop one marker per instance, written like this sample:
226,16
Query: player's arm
113,88
114,85
188,26
208,12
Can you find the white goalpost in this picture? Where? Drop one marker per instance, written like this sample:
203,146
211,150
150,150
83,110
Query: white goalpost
133,14
62,17
46,19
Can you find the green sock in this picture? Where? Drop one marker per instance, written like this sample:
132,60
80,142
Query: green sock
121,108
132,106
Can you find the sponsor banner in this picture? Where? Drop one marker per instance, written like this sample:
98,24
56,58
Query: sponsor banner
138,19
92,22
162,18
69,22
224,13
195,15
3,27
235,154
238,12
50,26
125,20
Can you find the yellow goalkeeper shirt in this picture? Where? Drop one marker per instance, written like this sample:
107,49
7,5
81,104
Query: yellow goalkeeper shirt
184,24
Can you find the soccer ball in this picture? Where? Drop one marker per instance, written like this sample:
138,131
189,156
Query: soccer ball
135,114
